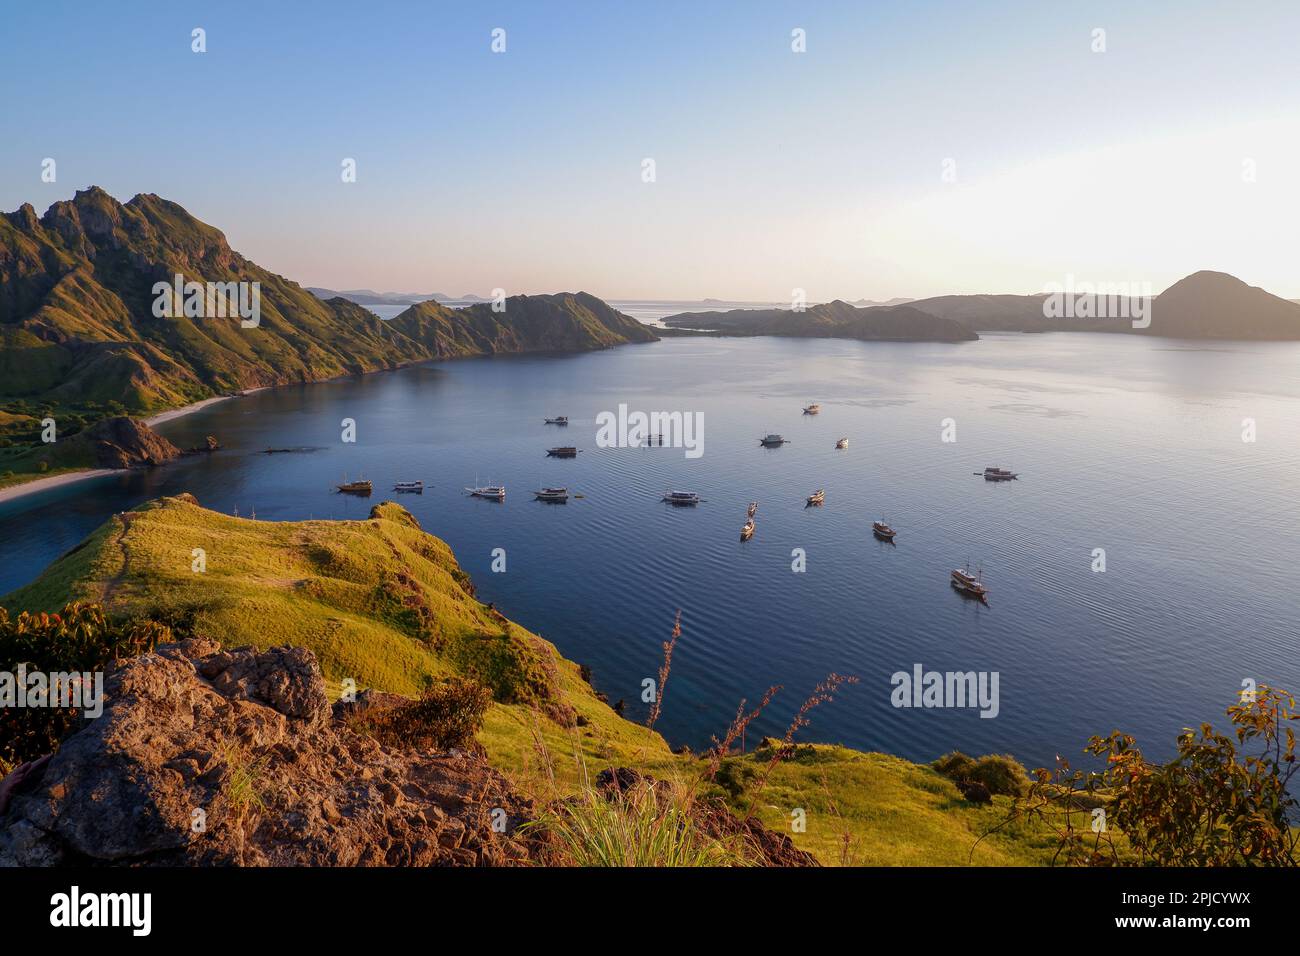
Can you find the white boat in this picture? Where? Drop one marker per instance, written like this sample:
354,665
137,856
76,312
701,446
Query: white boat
999,474
817,497
552,494
812,409
682,498
416,486
492,492
842,443
772,441
969,584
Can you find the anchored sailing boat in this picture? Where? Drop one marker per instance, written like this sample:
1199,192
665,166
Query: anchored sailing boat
360,487
969,584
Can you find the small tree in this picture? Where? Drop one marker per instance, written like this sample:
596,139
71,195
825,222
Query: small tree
1224,800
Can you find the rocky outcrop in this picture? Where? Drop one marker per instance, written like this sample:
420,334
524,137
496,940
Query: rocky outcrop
204,756
126,442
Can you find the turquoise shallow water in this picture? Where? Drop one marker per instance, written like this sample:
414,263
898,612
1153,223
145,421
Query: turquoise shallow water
1131,445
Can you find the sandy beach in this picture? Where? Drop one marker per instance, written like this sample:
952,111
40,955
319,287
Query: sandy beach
171,413
54,481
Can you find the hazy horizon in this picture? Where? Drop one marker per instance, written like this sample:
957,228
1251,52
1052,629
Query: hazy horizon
822,170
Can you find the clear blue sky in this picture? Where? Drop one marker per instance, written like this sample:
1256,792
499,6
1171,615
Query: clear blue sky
775,170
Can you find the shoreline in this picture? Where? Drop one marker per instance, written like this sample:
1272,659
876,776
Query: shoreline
37,485
171,413
53,481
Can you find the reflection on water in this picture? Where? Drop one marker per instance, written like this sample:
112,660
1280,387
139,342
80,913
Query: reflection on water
1126,444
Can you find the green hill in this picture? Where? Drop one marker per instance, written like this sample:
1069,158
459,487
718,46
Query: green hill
78,330
79,338
386,604
566,322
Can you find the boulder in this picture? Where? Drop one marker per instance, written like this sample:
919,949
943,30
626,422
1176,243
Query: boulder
205,756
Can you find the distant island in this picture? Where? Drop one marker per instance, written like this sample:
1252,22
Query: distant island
899,323
371,297
1205,305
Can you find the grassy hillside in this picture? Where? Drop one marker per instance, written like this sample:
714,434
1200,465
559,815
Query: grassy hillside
79,339
528,323
386,604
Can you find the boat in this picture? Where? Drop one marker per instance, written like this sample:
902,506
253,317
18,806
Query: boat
882,530
842,443
416,486
969,585
747,531
558,420
491,492
812,409
817,497
566,451
682,498
999,474
772,441
753,508
559,495
361,487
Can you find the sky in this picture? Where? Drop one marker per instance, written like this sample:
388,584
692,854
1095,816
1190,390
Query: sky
912,149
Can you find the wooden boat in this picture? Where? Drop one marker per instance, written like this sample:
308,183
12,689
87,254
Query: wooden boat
882,530
999,474
842,443
812,409
969,585
753,509
491,492
567,451
415,486
361,487
558,420
817,497
772,441
555,495
747,531
682,498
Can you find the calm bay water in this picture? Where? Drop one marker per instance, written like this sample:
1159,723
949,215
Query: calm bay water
1131,445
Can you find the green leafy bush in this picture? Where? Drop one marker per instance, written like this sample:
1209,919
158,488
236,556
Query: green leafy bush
999,773
77,639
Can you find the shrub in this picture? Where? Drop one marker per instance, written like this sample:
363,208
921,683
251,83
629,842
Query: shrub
447,717
735,776
77,639
1224,800
998,773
